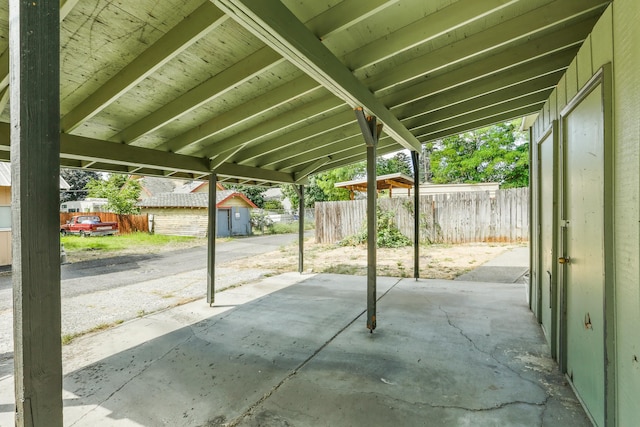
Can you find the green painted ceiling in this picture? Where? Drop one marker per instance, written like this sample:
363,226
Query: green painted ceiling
263,91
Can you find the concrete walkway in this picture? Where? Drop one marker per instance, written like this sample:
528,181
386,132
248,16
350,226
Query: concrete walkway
510,267
293,350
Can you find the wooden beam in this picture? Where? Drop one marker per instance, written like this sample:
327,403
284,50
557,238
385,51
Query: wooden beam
554,51
485,120
4,69
276,125
212,215
516,30
509,96
519,79
442,21
266,151
4,98
188,31
246,172
371,132
416,214
65,7
309,169
188,142
528,103
344,15
273,23
34,46
223,82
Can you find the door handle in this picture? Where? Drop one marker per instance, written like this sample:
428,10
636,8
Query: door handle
564,260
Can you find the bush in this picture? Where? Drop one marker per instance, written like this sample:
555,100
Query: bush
388,236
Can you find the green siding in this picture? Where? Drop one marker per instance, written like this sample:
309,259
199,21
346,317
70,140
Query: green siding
627,164
615,39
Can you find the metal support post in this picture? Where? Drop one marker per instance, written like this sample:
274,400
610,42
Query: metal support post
371,132
211,240
34,46
416,215
300,191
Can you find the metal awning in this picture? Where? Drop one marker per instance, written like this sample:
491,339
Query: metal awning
263,91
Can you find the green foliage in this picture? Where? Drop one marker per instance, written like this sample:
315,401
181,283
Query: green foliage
327,180
253,193
260,220
401,162
388,235
312,194
121,193
497,153
272,205
77,179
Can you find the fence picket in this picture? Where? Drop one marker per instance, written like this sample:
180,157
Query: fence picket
444,218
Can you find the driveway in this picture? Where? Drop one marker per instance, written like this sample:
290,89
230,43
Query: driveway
111,290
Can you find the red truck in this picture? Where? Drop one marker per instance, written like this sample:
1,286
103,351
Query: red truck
88,225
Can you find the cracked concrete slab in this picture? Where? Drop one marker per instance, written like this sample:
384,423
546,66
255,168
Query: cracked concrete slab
294,350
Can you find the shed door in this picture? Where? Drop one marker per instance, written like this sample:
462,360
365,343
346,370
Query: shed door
223,224
584,246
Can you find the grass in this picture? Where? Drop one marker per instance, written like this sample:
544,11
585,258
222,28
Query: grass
68,338
121,241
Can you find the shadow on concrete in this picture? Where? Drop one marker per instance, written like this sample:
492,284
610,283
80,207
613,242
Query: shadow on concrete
445,353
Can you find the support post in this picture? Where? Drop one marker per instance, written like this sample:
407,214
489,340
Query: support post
34,44
300,191
371,132
211,240
416,215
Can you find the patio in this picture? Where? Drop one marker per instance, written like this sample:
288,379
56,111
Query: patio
293,350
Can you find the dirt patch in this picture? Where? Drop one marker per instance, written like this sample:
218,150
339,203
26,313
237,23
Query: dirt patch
436,261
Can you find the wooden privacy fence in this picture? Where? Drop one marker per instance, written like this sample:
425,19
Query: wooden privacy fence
126,223
444,218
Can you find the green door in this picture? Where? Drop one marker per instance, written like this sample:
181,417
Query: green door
583,214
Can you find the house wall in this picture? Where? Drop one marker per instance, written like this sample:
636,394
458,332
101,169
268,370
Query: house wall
5,235
179,221
194,222
615,39
233,202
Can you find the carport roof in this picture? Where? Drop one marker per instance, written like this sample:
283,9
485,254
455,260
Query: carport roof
263,91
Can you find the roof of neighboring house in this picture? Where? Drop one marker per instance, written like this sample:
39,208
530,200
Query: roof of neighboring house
153,185
191,200
5,177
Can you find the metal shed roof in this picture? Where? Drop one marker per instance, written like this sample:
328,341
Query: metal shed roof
264,91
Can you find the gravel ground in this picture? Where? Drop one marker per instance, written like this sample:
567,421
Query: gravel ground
100,309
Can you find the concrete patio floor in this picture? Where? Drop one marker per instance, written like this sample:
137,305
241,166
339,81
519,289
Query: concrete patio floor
293,350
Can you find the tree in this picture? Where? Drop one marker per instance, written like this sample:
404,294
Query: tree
327,180
77,179
312,194
121,193
400,162
497,153
253,193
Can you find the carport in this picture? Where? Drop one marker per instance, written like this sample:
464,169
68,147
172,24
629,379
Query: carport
255,92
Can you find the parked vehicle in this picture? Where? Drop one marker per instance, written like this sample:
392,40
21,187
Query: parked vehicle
88,225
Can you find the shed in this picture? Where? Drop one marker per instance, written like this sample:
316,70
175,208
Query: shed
186,214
